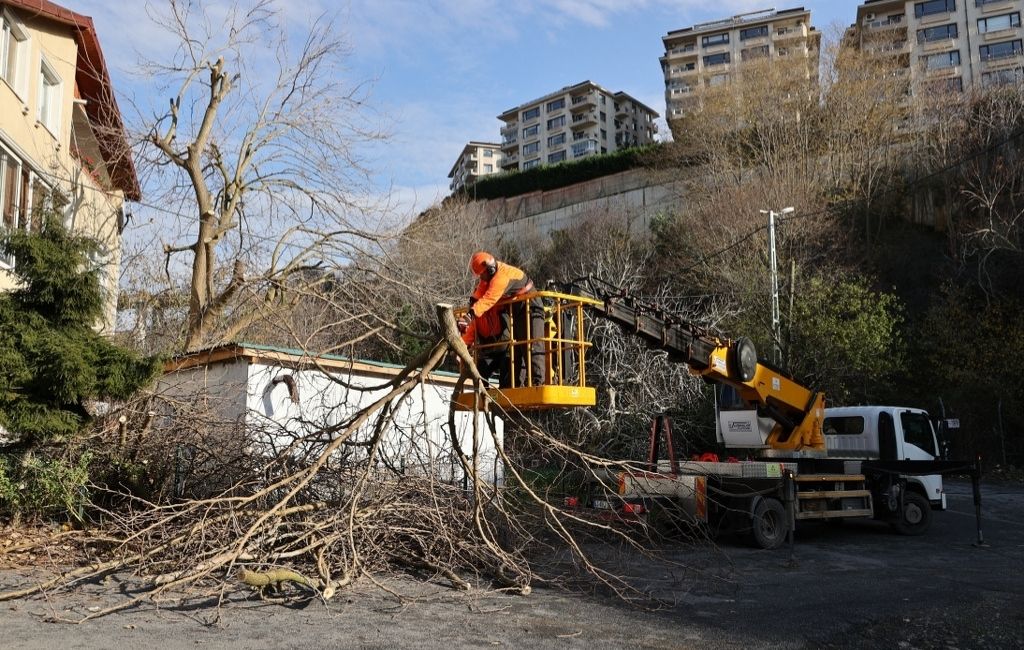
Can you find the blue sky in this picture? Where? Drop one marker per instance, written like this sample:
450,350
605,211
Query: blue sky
442,70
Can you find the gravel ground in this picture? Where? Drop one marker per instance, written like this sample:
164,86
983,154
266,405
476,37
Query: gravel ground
852,586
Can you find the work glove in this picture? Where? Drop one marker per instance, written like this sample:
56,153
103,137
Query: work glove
464,321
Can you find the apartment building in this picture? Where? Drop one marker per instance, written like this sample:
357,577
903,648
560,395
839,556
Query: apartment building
572,123
477,159
946,44
61,133
711,54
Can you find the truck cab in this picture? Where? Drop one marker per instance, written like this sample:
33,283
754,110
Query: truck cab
886,433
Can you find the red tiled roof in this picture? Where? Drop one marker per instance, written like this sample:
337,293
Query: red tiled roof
92,81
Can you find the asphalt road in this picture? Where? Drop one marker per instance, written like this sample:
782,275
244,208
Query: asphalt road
852,586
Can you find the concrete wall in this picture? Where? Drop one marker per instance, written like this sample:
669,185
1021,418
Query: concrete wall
636,195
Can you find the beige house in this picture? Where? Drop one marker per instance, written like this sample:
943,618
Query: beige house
949,45
711,54
477,159
61,131
572,123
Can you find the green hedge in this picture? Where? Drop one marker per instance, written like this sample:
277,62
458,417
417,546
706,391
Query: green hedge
550,177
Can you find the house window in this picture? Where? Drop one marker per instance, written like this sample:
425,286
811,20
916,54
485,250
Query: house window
998,23
557,157
556,140
531,131
20,190
531,163
556,105
13,40
49,98
533,147
943,60
488,153
715,39
488,169
604,117
531,114
939,33
1000,50
945,86
604,134
933,7
718,80
716,59
556,122
753,32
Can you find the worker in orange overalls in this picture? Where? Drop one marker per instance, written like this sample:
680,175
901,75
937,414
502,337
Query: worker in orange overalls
485,323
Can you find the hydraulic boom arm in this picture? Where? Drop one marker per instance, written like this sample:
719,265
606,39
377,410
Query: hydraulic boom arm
796,410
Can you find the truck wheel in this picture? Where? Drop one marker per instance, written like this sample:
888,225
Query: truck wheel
769,524
916,516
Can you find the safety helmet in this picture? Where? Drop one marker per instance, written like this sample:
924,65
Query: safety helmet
481,262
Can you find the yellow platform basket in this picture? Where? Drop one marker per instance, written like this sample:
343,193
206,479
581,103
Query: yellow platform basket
558,352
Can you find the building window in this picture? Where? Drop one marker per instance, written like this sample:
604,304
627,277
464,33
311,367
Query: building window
488,169
556,122
945,86
718,80
13,40
1000,77
716,59
556,140
529,164
22,196
943,60
533,147
933,7
49,98
556,157
531,131
578,135
531,114
753,32
715,39
488,153
1000,50
556,105
754,53
604,134
998,23
939,33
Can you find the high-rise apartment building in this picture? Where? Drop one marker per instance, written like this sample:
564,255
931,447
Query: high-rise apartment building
572,123
477,159
950,44
710,54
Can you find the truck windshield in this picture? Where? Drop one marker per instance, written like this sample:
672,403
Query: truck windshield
917,431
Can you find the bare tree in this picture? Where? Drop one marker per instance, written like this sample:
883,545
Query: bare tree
257,149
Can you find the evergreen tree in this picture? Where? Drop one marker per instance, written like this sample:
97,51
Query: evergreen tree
52,360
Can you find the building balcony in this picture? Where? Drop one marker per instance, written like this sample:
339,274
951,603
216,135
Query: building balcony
510,160
1010,61
1001,35
511,129
942,45
938,73
679,91
682,73
584,148
883,24
682,51
583,102
788,33
994,6
581,120
509,143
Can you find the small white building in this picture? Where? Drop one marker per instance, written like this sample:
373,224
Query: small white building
286,401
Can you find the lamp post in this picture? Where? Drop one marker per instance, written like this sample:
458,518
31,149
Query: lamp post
776,317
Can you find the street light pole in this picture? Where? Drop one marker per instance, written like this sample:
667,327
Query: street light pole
776,316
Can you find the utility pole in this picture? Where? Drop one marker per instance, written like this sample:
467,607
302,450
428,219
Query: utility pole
776,316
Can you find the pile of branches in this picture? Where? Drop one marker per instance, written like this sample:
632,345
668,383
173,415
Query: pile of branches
330,518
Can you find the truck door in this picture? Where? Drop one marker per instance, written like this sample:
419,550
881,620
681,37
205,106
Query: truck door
887,446
918,443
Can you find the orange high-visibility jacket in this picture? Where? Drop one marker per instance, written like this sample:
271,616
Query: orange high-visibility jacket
507,281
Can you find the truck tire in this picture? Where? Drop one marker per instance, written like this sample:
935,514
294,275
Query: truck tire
916,516
769,524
